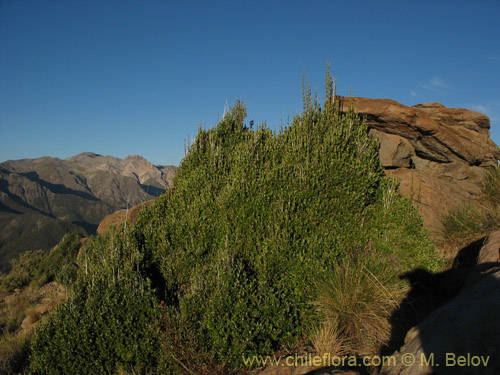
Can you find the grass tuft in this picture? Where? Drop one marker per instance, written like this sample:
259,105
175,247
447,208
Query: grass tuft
471,222
326,340
356,301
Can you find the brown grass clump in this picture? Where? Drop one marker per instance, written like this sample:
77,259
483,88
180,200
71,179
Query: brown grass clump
326,340
20,312
356,302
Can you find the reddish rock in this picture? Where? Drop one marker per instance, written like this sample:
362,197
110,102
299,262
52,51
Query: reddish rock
490,252
440,155
115,219
395,151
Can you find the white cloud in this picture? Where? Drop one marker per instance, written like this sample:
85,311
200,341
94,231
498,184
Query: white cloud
438,82
436,85
413,93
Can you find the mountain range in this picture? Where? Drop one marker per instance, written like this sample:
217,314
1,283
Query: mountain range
42,199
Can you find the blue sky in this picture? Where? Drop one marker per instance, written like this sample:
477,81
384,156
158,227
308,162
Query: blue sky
138,77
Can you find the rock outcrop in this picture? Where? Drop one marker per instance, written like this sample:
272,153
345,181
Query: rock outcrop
440,155
129,216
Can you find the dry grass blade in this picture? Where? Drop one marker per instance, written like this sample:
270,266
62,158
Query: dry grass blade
356,303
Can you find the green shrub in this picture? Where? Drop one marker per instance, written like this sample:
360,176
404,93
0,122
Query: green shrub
38,267
23,271
236,249
67,275
108,328
110,323
256,217
61,257
397,232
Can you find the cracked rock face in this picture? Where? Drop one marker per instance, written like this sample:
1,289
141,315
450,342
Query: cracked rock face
440,155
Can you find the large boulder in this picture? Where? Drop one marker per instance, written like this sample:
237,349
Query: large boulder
439,155
129,216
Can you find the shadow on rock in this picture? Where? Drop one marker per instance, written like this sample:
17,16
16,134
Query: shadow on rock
454,315
428,292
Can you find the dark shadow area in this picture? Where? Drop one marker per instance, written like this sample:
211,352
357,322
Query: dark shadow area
467,256
4,185
58,188
462,338
152,270
3,170
90,229
159,285
22,203
456,313
5,208
152,190
428,292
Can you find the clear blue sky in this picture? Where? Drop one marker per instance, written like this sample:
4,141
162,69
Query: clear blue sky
136,77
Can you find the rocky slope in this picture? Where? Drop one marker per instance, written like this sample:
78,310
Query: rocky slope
440,155
42,199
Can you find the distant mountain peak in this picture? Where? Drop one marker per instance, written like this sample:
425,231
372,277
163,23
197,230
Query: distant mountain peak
42,199
139,157
84,155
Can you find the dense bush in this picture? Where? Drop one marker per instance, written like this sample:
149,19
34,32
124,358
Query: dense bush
14,352
110,324
23,271
23,309
60,260
234,251
256,217
40,267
